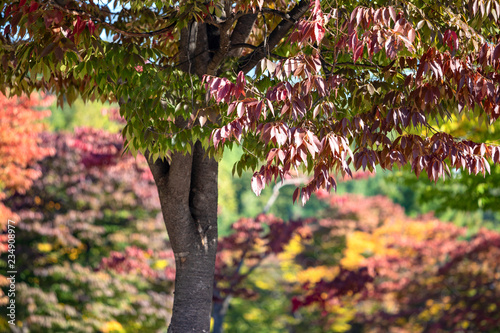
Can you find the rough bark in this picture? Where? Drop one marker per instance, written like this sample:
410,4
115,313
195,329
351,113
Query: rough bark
187,187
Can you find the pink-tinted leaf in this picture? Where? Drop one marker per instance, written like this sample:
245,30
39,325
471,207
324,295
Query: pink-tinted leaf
270,105
359,15
257,183
202,120
272,154
240,110
319,32
411,35
392,12
354,15
231,108
316,110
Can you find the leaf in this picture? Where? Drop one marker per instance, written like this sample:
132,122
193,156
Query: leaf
316,110
319,32
354,15
295,194
257,183
392,12
202,120
271,66
49,48
411,35
231,108
241,109
271,155
59,53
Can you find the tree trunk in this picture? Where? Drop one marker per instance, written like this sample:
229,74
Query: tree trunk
187,187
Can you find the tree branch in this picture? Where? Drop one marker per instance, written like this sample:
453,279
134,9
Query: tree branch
243,45
284,16
253,47
241,32
79,12
248,62
277,187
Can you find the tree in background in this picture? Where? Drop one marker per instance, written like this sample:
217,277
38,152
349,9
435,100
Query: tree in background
242,252
349,85
425,275
91,250
20,126
20,149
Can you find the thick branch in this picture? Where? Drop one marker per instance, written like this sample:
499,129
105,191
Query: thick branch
194,42
244,45
174,184
248,62
223,49
241,32
253,47
284,16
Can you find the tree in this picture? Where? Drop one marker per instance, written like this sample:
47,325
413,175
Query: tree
85,263
423,274
349,85
19,128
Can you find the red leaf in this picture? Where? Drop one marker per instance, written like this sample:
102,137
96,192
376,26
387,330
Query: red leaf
359,15
295,196
496,155
216,137
316,110
496,53
33,6
231,108
91,26
272,154
319,32
222,92
353,14
215,84
358,52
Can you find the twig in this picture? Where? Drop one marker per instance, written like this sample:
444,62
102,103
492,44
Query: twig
276,190
79,12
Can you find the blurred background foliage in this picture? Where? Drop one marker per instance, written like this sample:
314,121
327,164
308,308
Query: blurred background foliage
386,252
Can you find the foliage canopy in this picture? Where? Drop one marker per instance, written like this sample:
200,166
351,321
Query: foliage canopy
344,85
